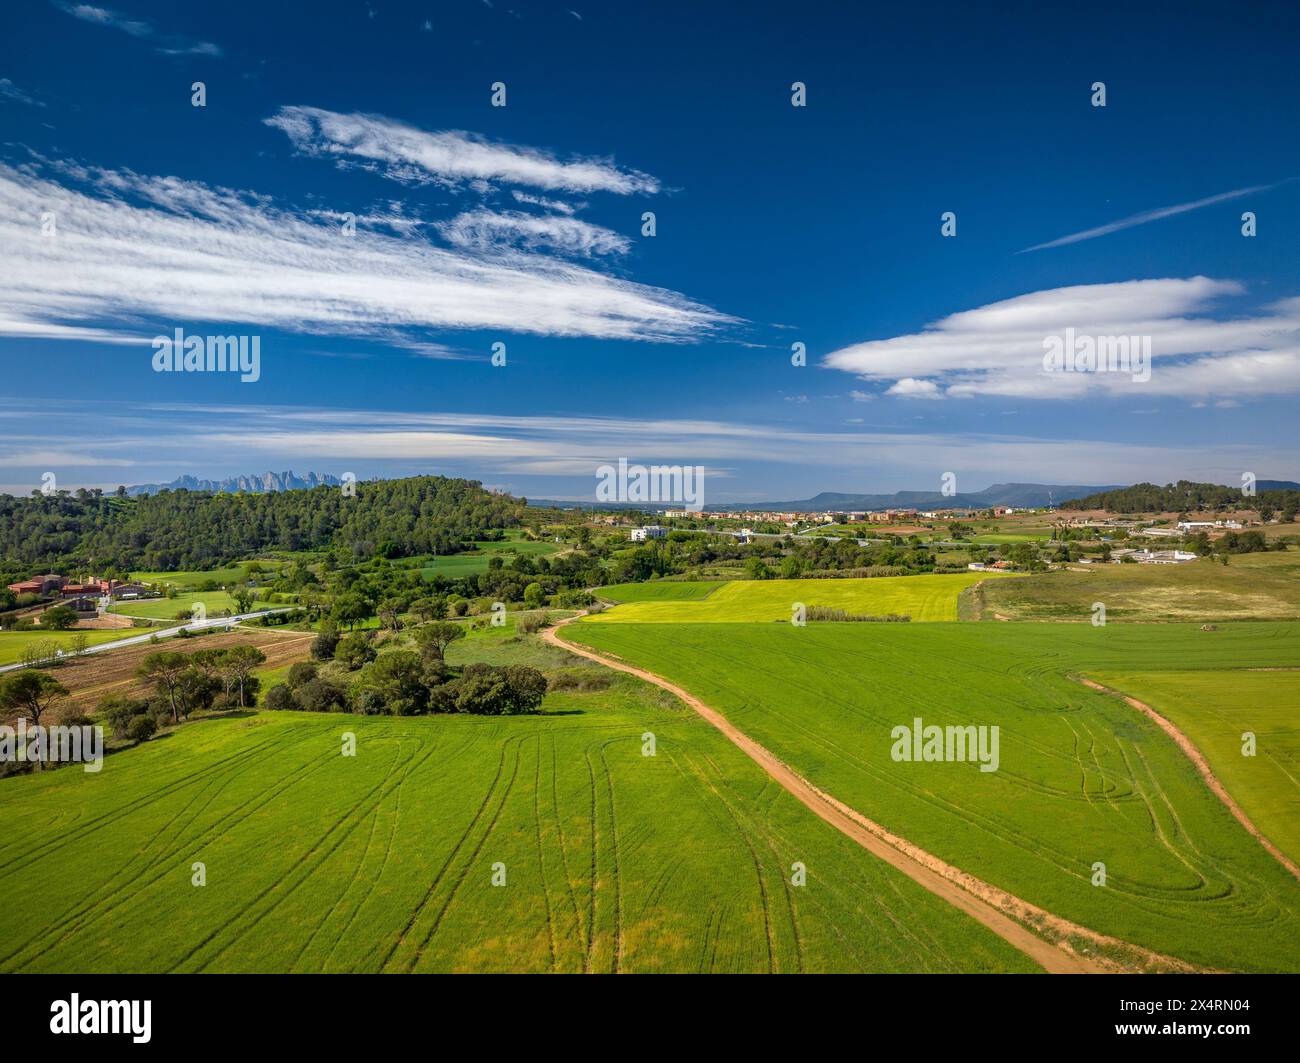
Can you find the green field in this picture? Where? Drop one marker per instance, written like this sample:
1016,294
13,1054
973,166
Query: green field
12,643
221,576
920,597
166,608
614,861
669,591
1083,778
1213,709
1262,586
476,561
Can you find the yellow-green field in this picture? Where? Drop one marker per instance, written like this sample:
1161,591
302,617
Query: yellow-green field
744,601
1214,709
12,643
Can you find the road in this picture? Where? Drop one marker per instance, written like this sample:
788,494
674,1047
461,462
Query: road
195,625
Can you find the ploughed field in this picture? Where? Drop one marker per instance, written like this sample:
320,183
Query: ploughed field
612,860
920,597
1083,778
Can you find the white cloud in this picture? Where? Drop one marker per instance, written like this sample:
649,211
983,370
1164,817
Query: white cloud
160,440
450,157
486,230
135,253
167,44
1148,216
998,349
10,91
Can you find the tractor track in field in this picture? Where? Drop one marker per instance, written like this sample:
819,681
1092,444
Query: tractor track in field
1202,767
1053,941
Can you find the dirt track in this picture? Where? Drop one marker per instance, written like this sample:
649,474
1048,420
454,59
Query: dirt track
1003,913
1203,766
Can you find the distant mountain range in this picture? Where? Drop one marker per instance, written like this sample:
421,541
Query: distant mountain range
1028,495
256,484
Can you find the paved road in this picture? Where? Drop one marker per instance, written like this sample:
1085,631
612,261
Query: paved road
196,625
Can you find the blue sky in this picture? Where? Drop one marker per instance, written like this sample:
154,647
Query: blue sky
775,224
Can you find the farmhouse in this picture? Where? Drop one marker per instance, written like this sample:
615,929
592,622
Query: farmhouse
50,584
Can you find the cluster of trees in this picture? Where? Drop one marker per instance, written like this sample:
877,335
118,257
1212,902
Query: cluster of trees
185,683
1186,496
350,675
198,530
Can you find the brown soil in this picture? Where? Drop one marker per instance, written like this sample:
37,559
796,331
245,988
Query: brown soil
92,678
1060,946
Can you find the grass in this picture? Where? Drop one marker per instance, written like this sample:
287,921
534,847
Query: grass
12,643
1214,709
1083,778
476,561
614,861
920,597
1251,587
166,608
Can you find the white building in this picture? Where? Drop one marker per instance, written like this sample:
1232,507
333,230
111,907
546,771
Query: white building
650,531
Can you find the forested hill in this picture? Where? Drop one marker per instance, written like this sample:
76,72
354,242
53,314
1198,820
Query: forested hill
1185,496
199,530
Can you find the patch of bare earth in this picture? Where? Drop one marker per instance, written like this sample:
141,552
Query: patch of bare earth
92,678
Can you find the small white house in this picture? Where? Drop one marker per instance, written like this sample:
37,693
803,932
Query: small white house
650,531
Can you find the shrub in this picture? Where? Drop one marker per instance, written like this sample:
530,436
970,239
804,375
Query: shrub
324,645
320,695
141,728
280,698
302,673
579,679
118,712
354,650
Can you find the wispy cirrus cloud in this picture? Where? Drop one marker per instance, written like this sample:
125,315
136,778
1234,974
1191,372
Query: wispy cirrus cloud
10,91
998,349
558,455
450,157
164,43
487,230
1149,216
130,252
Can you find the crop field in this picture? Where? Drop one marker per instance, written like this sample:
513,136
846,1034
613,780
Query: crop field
920,597
667,591
13,643
608,860
220,576
1083,779
1214,709
1262,586
215,602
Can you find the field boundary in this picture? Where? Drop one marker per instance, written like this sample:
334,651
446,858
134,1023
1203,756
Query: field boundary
1202,766
1049,940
